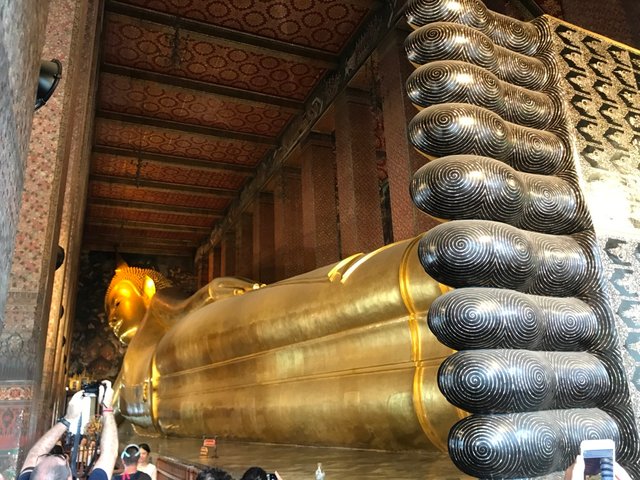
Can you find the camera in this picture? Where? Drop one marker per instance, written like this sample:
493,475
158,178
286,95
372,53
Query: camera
92,388
271,476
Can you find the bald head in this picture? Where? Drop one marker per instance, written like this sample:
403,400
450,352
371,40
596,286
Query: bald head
51,468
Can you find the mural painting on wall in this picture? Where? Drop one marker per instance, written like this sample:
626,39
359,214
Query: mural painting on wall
12,418
95,351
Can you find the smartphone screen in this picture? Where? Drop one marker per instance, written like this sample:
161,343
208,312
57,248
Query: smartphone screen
598,463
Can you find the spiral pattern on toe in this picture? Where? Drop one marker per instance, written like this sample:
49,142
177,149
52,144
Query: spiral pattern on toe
460,187
505,31
452,41
470,253
497,381
582,380
481,318
461,129
522,445
502,381
454,81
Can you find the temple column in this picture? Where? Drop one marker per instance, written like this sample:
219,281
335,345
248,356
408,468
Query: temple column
228,254
244,246
263,239
287,222
320,211
200,272
402,158
216,254
29,301
358,186
210,260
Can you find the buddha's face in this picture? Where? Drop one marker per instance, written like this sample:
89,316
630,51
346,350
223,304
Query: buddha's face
125,308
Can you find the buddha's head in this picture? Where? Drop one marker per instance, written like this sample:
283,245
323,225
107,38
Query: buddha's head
128,297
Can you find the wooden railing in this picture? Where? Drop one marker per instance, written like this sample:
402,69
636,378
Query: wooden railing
174,469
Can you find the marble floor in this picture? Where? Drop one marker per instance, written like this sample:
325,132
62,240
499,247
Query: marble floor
299,463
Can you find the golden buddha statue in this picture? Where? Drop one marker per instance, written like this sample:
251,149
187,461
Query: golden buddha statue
337,356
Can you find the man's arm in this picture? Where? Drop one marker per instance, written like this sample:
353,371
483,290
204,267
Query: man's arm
109,437
49,439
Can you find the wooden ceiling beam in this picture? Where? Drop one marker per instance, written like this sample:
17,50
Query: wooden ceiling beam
309,55
154,207
117,225
187,127
175,187
234,94
122,246
207,165
138,238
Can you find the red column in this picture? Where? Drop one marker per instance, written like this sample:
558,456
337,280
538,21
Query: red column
244,246
228,254
263,239
216,255
288,223
210,260
199,273
402,159
358,186
320,210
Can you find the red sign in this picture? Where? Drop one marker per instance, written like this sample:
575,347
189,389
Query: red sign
209,442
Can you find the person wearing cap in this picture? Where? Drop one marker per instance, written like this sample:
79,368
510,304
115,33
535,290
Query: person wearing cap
144,464
130,456
41,464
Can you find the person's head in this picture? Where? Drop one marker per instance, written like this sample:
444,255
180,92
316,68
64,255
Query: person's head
57,450
130,455
145,450
52,467
213,473
254,473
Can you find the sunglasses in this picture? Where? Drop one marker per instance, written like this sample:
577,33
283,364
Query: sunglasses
134,453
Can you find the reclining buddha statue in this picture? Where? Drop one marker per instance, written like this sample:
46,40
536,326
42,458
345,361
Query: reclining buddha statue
336,356
490,336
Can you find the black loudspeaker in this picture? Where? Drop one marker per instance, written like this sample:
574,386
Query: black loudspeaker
59,257
50,74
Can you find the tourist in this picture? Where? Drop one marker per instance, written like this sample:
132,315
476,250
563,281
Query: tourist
213,473
40,463
130,456
144,463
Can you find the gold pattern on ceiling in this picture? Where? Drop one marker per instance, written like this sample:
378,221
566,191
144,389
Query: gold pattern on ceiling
193,95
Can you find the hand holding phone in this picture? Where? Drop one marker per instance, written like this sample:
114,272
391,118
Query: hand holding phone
583,468
599,457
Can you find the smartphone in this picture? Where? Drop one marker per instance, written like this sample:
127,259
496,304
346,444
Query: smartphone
599,457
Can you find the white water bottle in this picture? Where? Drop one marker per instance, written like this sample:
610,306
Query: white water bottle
319,472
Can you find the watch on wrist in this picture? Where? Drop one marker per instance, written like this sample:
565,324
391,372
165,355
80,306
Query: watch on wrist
65,422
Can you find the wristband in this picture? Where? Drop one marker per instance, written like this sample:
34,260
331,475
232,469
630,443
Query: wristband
65,422
107,410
